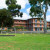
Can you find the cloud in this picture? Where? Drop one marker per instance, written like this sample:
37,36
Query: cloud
48,8
2,4
25,16
28,10
48,18
22,3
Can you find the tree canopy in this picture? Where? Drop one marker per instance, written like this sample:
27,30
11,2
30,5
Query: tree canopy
39,8
14,8
5,18
6,15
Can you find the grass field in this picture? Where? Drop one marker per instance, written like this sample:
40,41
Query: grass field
25,42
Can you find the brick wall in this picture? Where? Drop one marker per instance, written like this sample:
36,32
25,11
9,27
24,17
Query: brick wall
30,24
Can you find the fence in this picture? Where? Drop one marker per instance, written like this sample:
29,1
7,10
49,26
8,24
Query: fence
6,30
19,30
12,30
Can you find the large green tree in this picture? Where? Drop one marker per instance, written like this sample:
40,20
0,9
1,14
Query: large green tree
6,19
39,8
14,8
6,15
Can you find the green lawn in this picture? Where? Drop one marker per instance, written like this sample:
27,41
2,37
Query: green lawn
25,42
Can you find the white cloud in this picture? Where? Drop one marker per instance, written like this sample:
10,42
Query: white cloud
48,8
22,3
25,16
28,10
2,4
48,18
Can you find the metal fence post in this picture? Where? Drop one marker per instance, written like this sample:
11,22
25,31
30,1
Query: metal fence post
23,28
15,30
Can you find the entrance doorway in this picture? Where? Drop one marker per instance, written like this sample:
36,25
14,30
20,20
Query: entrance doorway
35,29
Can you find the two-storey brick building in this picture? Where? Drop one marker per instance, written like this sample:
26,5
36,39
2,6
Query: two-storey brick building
48,24
18,22
35,24
32,24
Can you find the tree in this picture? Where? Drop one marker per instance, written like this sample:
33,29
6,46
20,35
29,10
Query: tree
14,8
3,15
39,8
9,22
6,19
6,15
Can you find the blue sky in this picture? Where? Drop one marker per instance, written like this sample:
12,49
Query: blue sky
25,8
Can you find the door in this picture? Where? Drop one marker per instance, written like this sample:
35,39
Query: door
35,29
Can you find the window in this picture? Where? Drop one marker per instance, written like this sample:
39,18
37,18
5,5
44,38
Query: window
30,25
40,25
36,20
26,24
35,29
19,21
22,21
40,29
16,21
40,21
29,21
35,24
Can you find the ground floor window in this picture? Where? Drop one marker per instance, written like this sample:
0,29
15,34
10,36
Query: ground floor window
40,29
35,29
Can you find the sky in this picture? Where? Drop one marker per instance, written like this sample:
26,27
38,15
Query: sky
25,8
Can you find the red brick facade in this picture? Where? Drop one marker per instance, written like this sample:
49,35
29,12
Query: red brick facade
48,24
35,24
20,23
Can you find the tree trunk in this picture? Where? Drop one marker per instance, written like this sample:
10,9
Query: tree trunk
45,24
2,25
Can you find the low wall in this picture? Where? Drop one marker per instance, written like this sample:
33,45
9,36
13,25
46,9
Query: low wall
26,32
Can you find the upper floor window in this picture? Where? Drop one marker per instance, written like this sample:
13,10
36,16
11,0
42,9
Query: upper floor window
30,25
30,21
19,21
36,20
22,21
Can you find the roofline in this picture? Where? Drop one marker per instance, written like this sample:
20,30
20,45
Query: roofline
48,21
20,19
28,19
36,18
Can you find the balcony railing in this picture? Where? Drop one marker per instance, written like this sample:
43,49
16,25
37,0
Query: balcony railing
38,23
38,26
48,24
19,23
